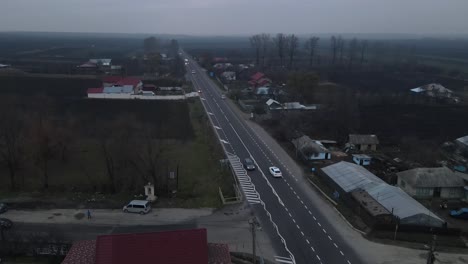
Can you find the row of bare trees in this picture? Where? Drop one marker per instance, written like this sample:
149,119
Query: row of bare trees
284,46
356,49
35,141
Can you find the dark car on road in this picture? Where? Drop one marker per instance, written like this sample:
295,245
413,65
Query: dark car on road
5,223
249,164
3,208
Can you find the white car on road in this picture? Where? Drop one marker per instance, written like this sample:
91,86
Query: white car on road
275,172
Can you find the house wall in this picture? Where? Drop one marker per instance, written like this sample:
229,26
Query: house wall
365,162
406,187
452,193
373,147
319,156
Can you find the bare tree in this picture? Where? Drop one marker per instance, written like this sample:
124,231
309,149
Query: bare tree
280,42
45,146
341,46
151,45
352,49
334,47
256,43
310,46
265,39
292,44
363,47
11,137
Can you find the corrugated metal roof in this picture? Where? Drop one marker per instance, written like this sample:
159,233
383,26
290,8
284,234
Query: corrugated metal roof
463,140
169,247
350,176
431,177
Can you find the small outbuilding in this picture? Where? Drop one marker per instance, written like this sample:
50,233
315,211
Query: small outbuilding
361,159
364,142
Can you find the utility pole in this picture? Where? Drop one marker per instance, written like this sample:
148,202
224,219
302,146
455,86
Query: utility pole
430,255
253,224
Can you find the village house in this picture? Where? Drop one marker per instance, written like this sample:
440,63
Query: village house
364,142
311,149
259,80
273,105
462,144
375,200
433,90
228,76
432,182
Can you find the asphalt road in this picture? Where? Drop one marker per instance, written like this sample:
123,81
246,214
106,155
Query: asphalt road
303,233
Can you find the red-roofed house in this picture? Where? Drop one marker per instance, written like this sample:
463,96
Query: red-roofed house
123,81
95,90
82,252
169,247
111,80
258,80
257,76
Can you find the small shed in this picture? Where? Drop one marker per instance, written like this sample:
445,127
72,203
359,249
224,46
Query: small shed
364,142
361,159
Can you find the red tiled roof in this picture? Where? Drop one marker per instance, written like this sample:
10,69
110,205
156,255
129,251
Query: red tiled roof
129,81
149,87
263,81
171,247
257,76
111,79
218,254
95,90
82,252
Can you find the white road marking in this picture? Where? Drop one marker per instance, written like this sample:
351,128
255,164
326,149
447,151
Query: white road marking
314,218
324,230
298,227
349,262
302,233
335,245
294,220
307,240
319,223
329,237
313,249
318,257
310,212
341,252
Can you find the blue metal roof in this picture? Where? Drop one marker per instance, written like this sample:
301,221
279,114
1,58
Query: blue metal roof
127,89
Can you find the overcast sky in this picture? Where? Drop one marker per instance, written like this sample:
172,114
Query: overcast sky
228,17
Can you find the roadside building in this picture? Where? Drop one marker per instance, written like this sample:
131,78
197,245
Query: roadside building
169,247
364,142
379,201
361,159
259,80
95,90
311,149
433,90
432,182
273,105
228,76
462,143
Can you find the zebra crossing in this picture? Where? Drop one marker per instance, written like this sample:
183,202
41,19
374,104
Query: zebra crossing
244,180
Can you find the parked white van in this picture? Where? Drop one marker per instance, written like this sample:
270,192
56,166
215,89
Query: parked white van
137,206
